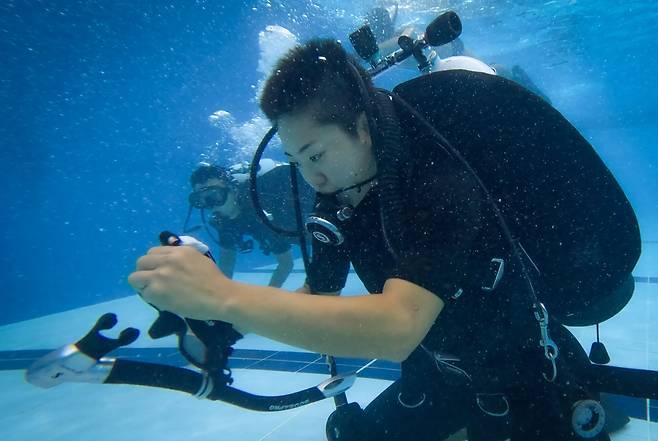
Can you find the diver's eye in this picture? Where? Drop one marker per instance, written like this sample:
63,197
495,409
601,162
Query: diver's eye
316,157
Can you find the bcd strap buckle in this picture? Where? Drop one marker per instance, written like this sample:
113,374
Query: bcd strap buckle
494,274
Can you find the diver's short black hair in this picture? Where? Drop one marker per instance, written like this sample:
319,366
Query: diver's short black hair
208,171
319,76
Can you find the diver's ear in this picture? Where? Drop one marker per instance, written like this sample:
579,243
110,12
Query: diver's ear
363,130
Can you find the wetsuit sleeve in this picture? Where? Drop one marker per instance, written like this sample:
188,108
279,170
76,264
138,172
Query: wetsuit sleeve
271,243
328,269
445,225
228,237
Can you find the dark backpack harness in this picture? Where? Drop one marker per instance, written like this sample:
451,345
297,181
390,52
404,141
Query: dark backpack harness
572,221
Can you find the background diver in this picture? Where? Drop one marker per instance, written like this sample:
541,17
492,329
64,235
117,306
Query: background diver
221,191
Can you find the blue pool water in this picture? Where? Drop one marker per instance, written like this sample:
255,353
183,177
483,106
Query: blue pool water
105,112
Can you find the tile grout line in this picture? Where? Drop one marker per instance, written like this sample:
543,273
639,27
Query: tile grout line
648,419
261,360
309,364
648,346
646,354
281,424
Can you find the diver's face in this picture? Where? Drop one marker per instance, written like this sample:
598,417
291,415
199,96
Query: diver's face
229,209
328,157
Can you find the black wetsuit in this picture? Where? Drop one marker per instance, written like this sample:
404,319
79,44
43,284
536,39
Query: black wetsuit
232,232
485,344
276,199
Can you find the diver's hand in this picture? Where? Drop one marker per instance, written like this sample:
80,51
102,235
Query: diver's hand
181,280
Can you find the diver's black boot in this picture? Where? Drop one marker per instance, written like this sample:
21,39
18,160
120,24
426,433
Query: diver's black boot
346,423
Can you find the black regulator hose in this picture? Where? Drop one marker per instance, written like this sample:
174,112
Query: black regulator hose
340,398
391,173
298,217
258,208
385,135
253,186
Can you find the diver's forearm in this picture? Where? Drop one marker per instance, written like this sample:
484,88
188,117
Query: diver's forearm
363,326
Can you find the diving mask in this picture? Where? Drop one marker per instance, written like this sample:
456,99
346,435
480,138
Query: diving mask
207,197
